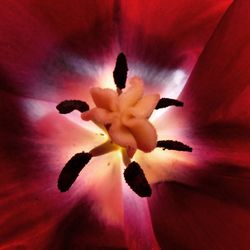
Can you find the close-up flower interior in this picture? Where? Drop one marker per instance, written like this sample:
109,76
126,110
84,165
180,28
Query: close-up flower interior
123,117
125,124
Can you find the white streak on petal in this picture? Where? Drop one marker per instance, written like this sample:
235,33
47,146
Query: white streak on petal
176,82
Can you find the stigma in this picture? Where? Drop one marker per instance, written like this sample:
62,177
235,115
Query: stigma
125,116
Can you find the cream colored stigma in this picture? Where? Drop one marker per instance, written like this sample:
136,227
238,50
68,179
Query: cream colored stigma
124,118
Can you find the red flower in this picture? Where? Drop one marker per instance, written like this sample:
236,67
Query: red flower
56,50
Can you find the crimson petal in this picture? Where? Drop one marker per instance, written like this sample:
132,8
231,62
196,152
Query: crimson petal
66,31
218,88
81,229
208,210
161,34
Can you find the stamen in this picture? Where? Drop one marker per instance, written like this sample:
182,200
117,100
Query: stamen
173,145
71,170
120,71
68,106
136,179
165,102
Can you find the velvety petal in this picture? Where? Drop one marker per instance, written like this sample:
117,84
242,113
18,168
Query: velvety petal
225,141
80,228
98,115
168,34
66,32
105,98
131,95
218,88
121,135
210,210
145,106
143,132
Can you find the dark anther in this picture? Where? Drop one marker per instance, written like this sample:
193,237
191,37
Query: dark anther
120,71
165,102
173,145
71,170
136,179
68,106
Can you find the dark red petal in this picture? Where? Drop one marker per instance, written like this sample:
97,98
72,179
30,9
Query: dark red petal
218,88
209,210
168,34
81,229
43,44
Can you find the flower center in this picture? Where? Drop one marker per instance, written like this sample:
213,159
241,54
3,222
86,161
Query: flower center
124,116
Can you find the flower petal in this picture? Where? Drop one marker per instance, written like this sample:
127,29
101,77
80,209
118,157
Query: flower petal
66,32
217,203
121,135
132,95
145,106
173,34
34,147
221,76
80,228
105,98
143,132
